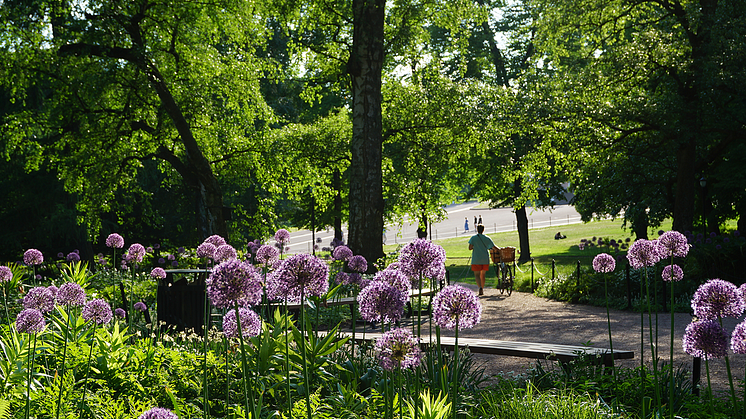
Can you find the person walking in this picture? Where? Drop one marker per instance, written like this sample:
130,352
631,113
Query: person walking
480,246
466,224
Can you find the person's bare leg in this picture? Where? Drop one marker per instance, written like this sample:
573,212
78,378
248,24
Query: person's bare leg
479,276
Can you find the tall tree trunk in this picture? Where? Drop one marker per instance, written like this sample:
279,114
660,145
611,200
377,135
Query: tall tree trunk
522,222
366,180
337,181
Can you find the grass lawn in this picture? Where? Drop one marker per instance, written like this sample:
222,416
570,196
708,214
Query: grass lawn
544,248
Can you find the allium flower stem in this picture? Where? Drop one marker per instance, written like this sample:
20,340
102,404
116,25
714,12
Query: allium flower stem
653,350
87,370
709,386
455,370
287,358
608,324
303,350
670,359
28,381
64,356
730,379
248,401
206,328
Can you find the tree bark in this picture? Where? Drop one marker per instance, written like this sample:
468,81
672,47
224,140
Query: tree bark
366,180
337,180
522,222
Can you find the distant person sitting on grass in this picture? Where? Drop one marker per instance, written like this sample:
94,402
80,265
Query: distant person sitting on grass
480,246
559,236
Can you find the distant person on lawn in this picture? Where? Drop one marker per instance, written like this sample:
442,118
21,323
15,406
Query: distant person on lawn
480,246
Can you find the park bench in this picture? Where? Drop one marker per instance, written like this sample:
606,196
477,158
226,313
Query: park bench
543,351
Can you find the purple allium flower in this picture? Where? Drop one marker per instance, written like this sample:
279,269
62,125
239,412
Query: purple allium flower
717,298
342,278
60,255
54,291
398,348
135,253
175,264
224,253
422,259
5,274
456,302
170,257
158,273
282,236
251,323
206,250
215,239
267,255
71,294
161,261
672,244
33,257
234,280
140,306
158,413
604,263
393,266
98,311
39,298
342,253
30,320
304,273
643,253
149,249
672,273
115,240
380,301
738,339
705,339
120,313
357,264
396,279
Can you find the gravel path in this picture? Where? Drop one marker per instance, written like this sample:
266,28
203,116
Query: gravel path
526,317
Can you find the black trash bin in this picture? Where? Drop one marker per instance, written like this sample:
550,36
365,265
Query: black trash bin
181,299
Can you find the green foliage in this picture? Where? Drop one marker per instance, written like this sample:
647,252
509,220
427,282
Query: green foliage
430,406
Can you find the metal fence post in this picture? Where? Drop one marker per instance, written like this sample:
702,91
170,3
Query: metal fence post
553,269
532,275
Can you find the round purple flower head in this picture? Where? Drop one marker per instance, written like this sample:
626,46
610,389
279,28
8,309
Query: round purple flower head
30,320
342,253
158,413
234,280
717,298
5,274
604,263
39,298
215,239
251,323
120,313
267,255
643,253
71,294
705,339
304,274
98,311
380,301
738,339
135,253
206,250
115,240
54,291
398,348
672,244
224,253
672,273
282,236
396,279
422,258
357,264
158,273
33,257
73,257
140,306
456,303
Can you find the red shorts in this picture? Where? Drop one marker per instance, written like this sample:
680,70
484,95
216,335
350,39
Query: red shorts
478,268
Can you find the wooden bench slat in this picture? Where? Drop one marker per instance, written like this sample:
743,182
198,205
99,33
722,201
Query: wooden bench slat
562,353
